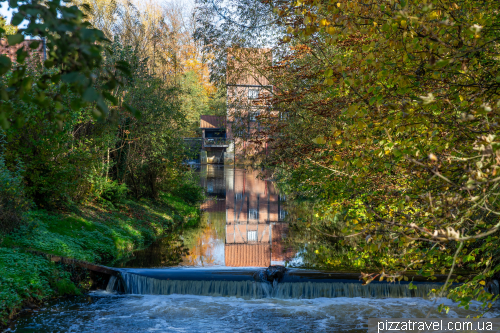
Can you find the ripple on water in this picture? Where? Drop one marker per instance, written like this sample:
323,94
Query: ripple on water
183,313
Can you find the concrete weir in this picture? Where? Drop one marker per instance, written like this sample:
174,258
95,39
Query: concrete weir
255,283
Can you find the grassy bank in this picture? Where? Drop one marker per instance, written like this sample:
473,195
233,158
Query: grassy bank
98,234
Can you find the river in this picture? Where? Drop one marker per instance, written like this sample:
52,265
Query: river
214,288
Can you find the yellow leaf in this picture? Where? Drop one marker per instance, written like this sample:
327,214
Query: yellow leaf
338,141
330,30
338,158
482,283
320,140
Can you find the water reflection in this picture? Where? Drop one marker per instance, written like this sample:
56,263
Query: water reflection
167,251
244,221
242,225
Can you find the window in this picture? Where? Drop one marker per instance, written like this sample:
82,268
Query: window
283,115
253,93
238,196
282,215
282,197
252,235
253,214
254,115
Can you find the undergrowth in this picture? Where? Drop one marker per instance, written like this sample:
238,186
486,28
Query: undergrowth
98,234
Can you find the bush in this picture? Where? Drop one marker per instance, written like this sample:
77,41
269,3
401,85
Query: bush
13,202
188,189
114,192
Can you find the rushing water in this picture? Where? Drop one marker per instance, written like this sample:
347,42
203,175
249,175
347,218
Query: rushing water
215,287
184,313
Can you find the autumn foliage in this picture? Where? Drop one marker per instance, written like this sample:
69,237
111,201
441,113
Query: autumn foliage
389,120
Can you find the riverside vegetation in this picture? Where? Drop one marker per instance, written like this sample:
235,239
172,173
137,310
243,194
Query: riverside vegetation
91,145
384,120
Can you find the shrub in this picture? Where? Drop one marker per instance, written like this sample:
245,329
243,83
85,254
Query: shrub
13,202
66,287
114,192
188,189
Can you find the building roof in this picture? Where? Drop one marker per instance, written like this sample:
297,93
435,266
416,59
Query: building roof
247,255
212,122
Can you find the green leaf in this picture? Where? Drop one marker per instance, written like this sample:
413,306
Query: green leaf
90,95
133,110
5,64
15,39
34,45
49,63
110,97
73,77
123,67
21,55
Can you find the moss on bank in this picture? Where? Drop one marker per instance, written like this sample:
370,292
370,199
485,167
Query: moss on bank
92,233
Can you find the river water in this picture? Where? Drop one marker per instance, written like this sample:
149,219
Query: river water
243,229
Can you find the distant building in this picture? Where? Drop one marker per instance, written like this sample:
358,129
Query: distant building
214,141
10,50
248,99
230,138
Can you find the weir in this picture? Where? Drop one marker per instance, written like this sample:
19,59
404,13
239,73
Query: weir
248,283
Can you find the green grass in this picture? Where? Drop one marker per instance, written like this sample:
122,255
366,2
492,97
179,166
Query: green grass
92,233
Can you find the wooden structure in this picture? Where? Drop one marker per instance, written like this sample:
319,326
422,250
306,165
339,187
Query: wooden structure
214,141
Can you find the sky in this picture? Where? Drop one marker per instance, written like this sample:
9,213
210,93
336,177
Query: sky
5,13
187,4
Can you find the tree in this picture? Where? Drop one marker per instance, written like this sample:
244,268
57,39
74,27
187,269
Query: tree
7,28
389,120
74,48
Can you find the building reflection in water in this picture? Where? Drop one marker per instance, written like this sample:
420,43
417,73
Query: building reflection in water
254,220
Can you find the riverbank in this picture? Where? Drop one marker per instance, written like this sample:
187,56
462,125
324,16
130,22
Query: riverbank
94,233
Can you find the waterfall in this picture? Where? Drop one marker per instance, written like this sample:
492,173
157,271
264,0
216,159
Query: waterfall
111,284
341,289
139,284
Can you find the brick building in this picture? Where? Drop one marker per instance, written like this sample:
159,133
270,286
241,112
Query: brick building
248,98
39,53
